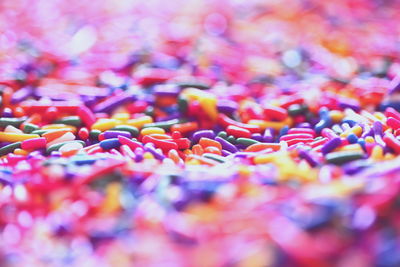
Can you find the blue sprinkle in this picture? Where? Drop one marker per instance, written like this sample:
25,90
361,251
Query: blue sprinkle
109,143
361,142
83,160
352,138
284,131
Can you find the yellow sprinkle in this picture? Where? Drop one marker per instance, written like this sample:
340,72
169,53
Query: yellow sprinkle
123,116
271,157
336,116
187,152
377,153
152,130
389,156
369,139
357,130
59,126
380,116
193,162
244,171
19,151
276,125
209,105
352,147
15,137
104,124
111,202
148,155
139,122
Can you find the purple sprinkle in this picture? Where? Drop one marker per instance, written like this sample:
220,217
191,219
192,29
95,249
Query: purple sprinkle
169,117
7,113
349,103
203,133
307,156
331,145
150,148
304,125
138,154
226,106
377,126
394,85
241,155
226,145
257,137
3,144
367,132
21,95
114,102
167,90
56,154
115,134
268,136
225,153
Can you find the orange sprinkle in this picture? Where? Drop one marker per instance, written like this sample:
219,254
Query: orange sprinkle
262,146
205,142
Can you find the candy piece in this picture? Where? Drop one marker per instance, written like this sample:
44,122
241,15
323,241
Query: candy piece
9,148
114,134
331,145
262,146
238,132
246,141
152,130
342,157
275,113
226,145
104,124
205,142
34,143
165,145
29,128
16,137
392,142
113,102
166,125
87,116
110,143
225,121
56,147
16,122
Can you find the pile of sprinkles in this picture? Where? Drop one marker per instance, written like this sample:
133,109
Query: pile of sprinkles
217,134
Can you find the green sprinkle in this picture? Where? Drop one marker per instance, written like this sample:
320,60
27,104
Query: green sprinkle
40,132
70,120
231,139
214,157
56,147
126,128
296,109
149,111
223,134
183,104
246,141
198,85
94,134
16,122
342,157
29,128
166,125
9,148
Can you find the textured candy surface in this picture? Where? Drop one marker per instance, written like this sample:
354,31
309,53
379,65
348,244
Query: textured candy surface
199,133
